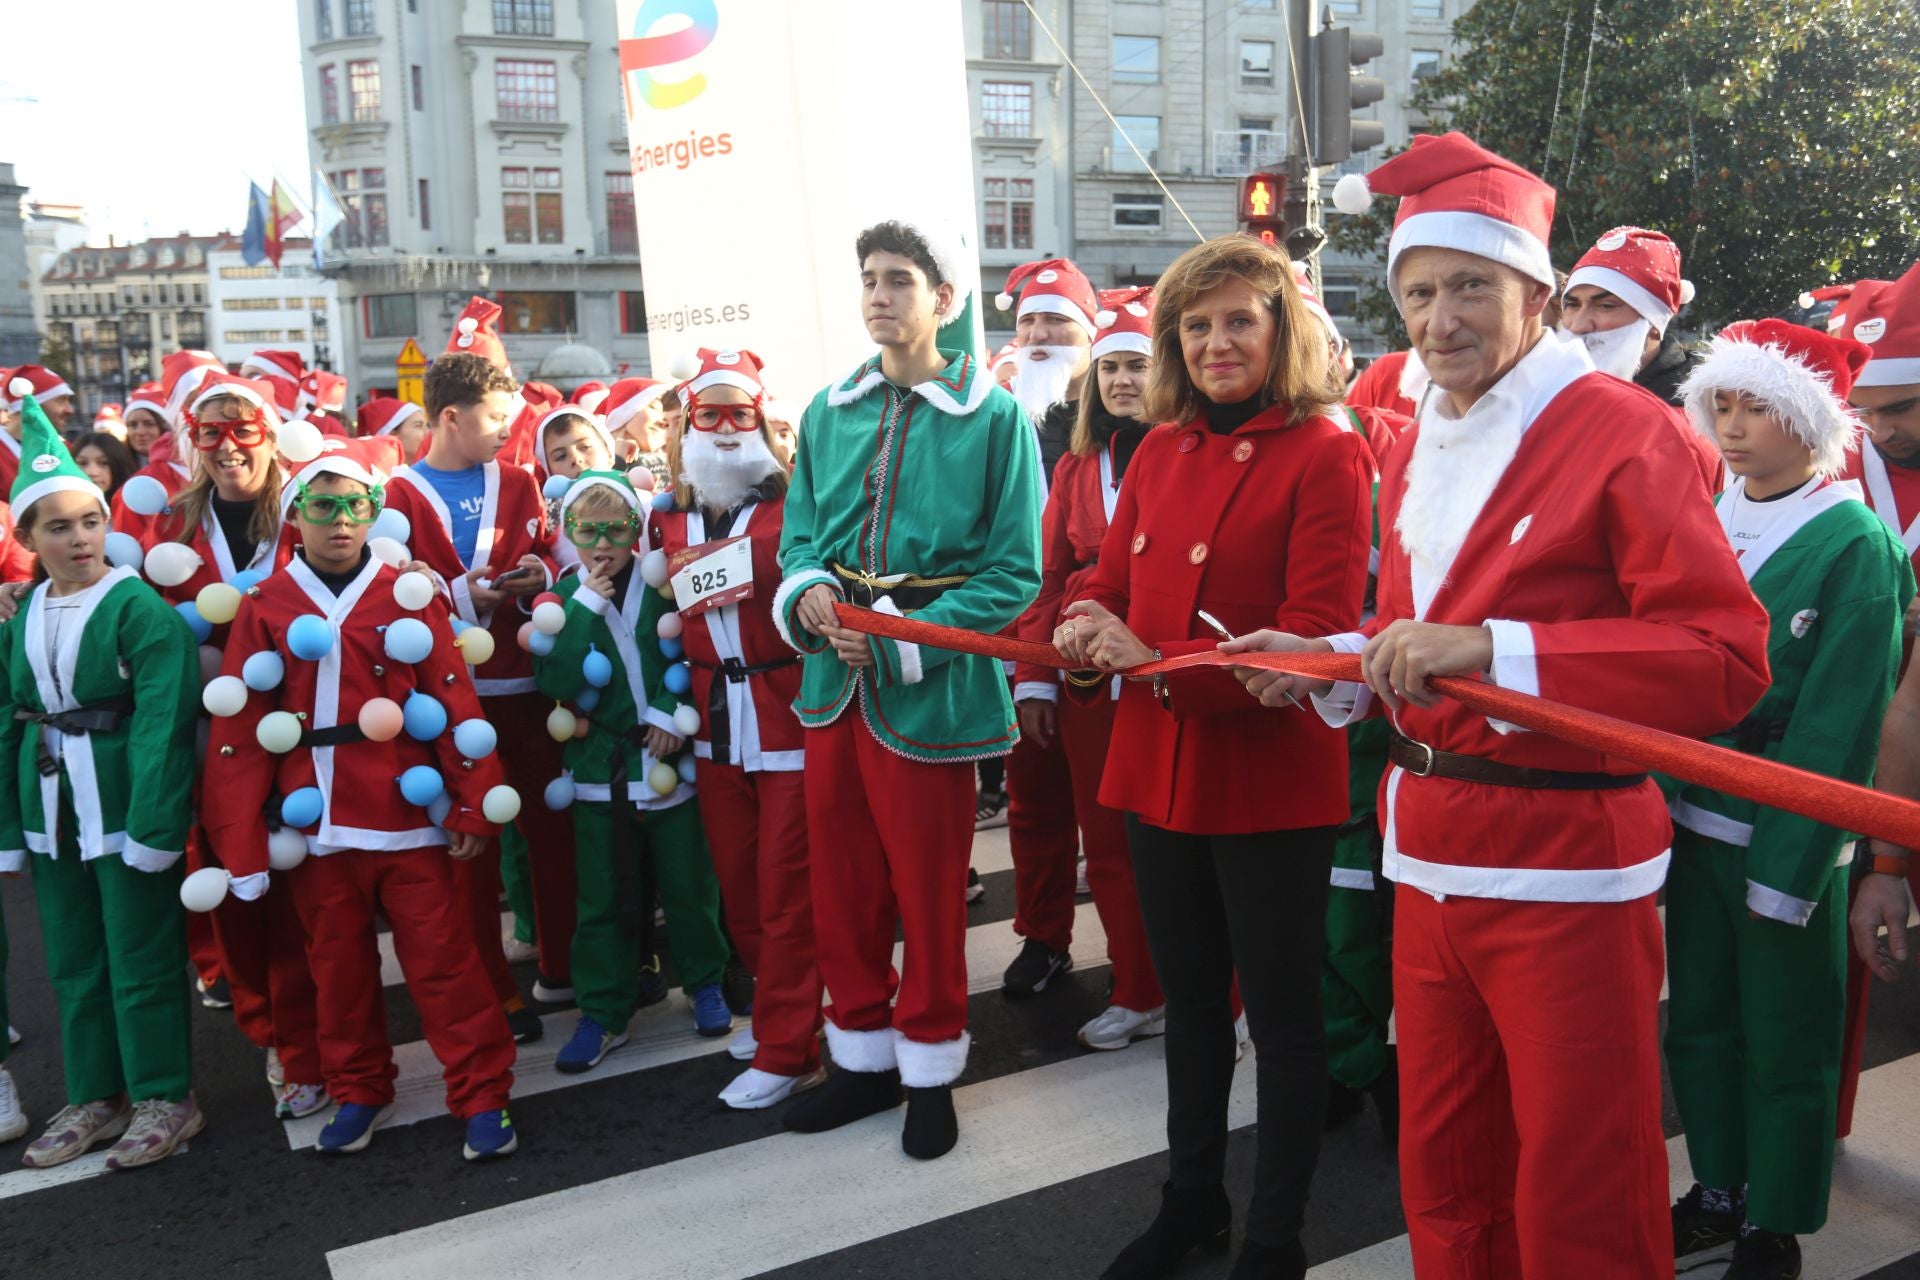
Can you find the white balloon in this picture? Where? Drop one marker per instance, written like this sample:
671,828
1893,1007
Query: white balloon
278,732
205,889
224,696
549,618
144,496
653,568
286,849
686,720
300,442
501,804
413,590
387,551
124,551
669,626
171,563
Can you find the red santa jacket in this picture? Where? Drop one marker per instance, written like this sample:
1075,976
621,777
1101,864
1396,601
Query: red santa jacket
1892,491
1382,428
1608,584
764,733
1706,454
1264,527
1080,502
362,807
1378,386
172,477
513,523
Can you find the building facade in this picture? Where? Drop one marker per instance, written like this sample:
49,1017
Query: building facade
292,307
476,147
19,332
113,312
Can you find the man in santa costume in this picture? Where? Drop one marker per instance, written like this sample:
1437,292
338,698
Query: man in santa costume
56,401
1530,549
1885,318
1620,301
1054,306
923,430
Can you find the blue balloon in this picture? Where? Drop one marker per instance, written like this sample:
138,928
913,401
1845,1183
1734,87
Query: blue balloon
189,612
437,811
679,679
587,699
424,717
247,579
144,495
596,669
540,644
123,549
671,646
310,637
555,489
663,500
392,524
409,640
461,625
560,792
687,767
302,808
474,738
422,785
263,671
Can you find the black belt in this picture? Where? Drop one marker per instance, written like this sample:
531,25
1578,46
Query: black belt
101,717
335,736
1751,736
719,723
908,594
1423,761
737,671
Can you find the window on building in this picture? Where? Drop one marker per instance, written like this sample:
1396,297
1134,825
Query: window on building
363,85
1422,63
317,304
622,232
240,336
545,312
1136,59
1145,132
390,315
1252,4
548,224
253,304
633,312
1256,62
359,17
1006,109
1430,10
1344,8
426,209
329,95
525,90
419,88
236,273
1007,221
296,335
199,295
1139,212
363,198
523,17
516,205
1007,30
323,19
1340,295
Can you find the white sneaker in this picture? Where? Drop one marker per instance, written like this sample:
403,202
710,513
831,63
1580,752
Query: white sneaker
1081,889
518,952
276,1074
743,1046
13,1037
13,1121
1242,1038
297,1100
551,995
754,1089
1117,1027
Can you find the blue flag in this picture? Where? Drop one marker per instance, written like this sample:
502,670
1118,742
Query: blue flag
253,244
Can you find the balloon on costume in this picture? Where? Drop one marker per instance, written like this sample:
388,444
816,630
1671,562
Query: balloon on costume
677,679
263,671
501,804
392,525
381,719
124,550
587,699
540,644
560,793
671,648
556,487
310,637
247,579
437,811
686,720
596,669
549,614
409,640
144,495
211,660
475,738
413,590
424,716
653,568
286,849
688,769
300,442
560,723
663,778
224,696
388,552
217,603
171,563
669,626
422,785
302,808
190,614
205,889
278,732
475,645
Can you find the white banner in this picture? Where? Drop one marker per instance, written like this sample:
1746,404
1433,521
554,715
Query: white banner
764,135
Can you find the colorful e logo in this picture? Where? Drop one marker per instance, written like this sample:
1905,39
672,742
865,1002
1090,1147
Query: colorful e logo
642,52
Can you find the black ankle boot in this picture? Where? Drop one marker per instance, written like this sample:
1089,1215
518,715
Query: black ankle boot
1189,1219
931,1128
1386,1099
1343,1104
845,1097
1270,1262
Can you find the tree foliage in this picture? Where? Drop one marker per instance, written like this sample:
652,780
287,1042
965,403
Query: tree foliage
1777,141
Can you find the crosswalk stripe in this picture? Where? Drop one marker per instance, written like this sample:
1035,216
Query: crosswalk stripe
92,1165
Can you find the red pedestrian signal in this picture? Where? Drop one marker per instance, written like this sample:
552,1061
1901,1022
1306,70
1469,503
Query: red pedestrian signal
1263,206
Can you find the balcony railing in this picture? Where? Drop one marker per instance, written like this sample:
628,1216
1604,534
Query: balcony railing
1238,152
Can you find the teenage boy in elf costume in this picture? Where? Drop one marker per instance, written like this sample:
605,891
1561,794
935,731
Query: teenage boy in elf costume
1757,897
99,678
916,489
364,817
721,541
606,659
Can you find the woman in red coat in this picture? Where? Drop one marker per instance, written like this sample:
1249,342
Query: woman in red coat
1259,508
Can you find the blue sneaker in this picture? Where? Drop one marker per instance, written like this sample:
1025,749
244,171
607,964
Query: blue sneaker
351,1128
590,1043
711,1017
490,1135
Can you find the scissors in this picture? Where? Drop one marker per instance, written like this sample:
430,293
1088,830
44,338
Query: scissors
1224,634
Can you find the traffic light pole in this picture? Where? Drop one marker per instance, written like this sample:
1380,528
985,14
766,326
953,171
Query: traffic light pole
1303,187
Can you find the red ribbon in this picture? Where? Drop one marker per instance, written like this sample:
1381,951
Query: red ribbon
1827,800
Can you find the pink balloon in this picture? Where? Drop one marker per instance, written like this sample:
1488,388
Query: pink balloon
381,719
526,636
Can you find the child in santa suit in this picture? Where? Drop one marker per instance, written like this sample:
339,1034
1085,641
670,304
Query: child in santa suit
480,524
1757,897
571,440
363,816
99,679
720,540
638,830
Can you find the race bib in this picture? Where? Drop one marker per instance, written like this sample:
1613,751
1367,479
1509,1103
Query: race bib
712,575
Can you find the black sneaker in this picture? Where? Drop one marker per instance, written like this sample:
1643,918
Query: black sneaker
975,890
1764,1255
1033,969
1343,1104
1700,1233
653,986
525,1025
215,994
738,986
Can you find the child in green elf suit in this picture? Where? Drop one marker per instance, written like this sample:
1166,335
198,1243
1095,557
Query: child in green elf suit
606,660
1756,897
101,689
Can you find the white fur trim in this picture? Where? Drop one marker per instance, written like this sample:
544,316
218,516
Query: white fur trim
1139,343
406,411
855,384
789,588
911,670
621,414
580,486
553,416
1714,826
1056,305
1515,663
924,1065
252,397
1804,398
248,888
143,857
1890,371
1474,233
861,1050
1527,884
24,498
1105,318
12,861
1352,194
21,388
1628,290
981,385
1003,300
722,378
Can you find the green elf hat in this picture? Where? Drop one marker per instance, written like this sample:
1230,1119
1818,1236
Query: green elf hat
45,465
614,480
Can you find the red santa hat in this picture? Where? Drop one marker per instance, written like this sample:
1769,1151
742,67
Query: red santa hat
1886,317
1802,374
476,332
628,396
108,419
1124,322
363,460
1054,286
719,368
32,380
146,396
1839,295
284,369
257,392
1455,194
566,416
180,374
591,396
1639,267
381,415
531,403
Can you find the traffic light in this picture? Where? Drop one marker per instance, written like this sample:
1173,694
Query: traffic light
1338,92
1263,206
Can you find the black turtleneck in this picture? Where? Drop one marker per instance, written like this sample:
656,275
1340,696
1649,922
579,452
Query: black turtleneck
621,582
234,520
1122,435
336,582
1223,419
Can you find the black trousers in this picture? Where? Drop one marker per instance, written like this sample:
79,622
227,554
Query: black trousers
1255,905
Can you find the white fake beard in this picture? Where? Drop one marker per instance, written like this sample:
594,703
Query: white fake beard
1041,384
722,478
1618,351
1452,473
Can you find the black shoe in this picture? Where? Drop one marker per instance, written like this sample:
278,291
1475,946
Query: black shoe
975,890
1343,1104
1033,969
1764,1255
1699,1230
845,1097
931,1128
1270,1262
215,994
525,1025
1188,1220
653,986
1385,1093
738,987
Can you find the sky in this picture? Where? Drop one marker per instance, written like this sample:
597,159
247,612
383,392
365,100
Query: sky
153,116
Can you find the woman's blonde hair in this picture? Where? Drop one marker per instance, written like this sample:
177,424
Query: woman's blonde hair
1082,441
1301,375
191,504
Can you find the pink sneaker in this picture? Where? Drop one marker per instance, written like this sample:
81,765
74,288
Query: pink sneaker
158,1127
76,1130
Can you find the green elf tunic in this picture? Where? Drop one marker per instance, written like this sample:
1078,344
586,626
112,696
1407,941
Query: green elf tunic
1756,897
611,942
109,822
925,501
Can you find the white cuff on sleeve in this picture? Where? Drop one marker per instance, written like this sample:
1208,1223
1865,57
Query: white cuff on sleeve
661,720
1345,703
248,888
1775,905
1513,664
144,858
1045,690
12,861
